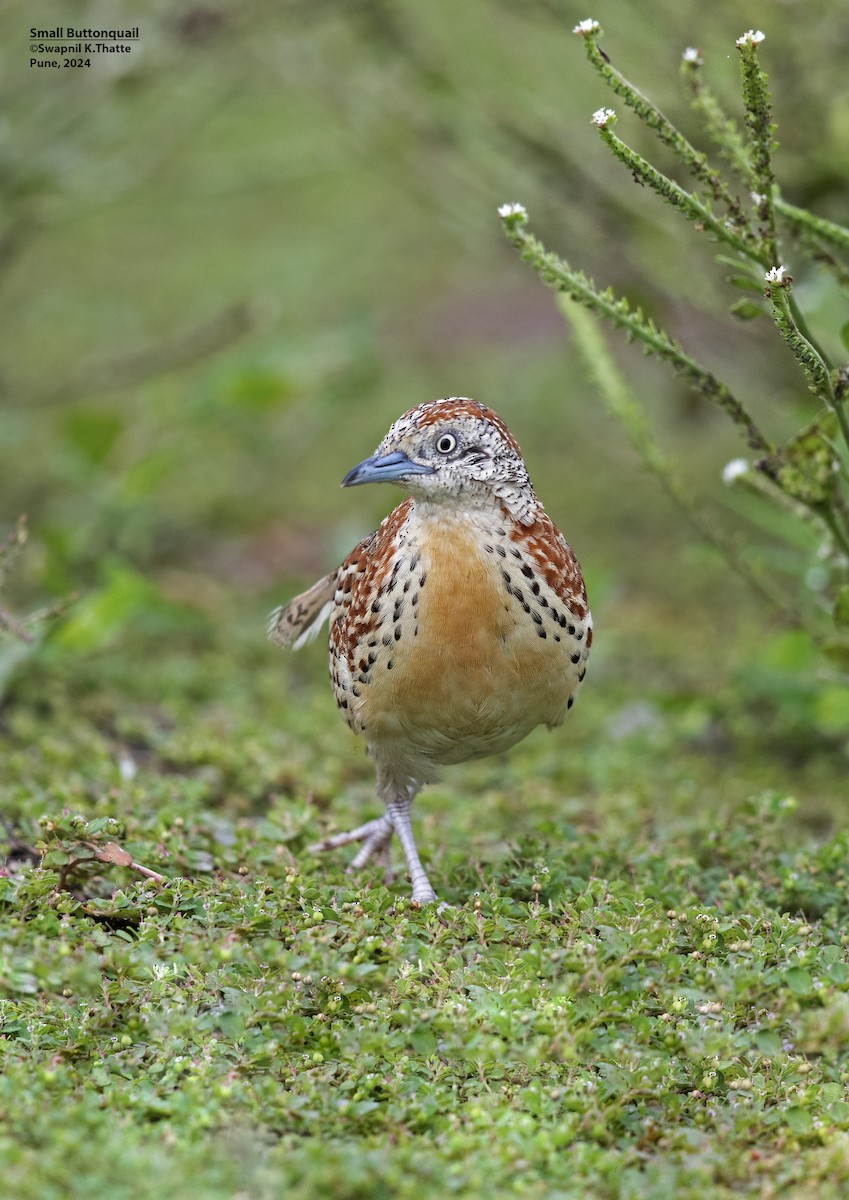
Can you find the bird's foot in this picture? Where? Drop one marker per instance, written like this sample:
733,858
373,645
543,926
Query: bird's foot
375,836
423,894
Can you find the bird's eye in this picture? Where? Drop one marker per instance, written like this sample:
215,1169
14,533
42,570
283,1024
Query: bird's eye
445,443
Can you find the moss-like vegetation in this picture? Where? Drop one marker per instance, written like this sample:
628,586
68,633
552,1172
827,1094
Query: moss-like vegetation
642,987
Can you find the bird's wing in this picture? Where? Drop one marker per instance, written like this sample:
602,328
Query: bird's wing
298,622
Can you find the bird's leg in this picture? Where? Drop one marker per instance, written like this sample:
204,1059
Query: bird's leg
383,857
398,805
375,836
363,833
376,845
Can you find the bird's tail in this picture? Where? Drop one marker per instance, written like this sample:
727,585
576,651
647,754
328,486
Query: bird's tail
298,622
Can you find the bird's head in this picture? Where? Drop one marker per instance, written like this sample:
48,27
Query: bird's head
453,449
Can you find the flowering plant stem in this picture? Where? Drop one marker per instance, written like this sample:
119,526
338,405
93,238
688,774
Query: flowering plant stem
558,274
805,476
601,369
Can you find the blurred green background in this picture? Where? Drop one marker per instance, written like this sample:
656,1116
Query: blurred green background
230,259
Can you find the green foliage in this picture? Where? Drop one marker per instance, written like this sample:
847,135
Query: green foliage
758,114
9,551
806,468
18,640
809,472
125,597
636,325
618,398
632,989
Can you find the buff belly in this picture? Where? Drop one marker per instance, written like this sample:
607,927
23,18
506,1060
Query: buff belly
466,672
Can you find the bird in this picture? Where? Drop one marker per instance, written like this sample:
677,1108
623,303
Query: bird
457,627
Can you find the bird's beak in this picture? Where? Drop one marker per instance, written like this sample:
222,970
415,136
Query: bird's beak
386,468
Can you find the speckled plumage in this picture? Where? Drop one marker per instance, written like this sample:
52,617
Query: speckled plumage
459,625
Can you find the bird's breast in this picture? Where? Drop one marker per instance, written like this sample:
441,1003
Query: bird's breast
467,654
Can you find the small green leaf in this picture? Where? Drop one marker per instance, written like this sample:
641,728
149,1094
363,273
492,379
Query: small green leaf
745,283
844,335
798,980
806,467
126,598
231,1024
769,1043
799,1120
746,310
93,433
423,1041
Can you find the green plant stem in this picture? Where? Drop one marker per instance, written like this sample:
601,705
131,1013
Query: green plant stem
818,517
819,237
724,133
13,626
819,233
806,353
719,126
837,532
760,129
806,332
800,218
563,278
694,160
687,204
11,548
693,210
602,371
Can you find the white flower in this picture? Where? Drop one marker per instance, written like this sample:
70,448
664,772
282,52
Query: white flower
754,37
588,26
513,210
757,198
734,470
775,275
602,116
691,54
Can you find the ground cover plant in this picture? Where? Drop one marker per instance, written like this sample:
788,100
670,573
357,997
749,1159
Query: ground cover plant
624,1001
642,986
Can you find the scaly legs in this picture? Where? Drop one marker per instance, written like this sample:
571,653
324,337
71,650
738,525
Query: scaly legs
398,812
376,836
